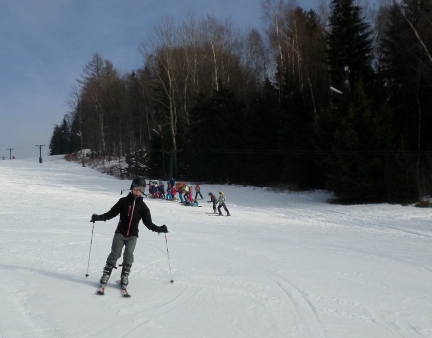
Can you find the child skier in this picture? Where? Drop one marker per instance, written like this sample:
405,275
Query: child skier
194,203
161,190
189,194
169,193
132,209
198,191
213,200
222,201
180,192
174,194
191,203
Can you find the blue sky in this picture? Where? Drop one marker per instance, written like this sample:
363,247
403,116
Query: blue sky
44,45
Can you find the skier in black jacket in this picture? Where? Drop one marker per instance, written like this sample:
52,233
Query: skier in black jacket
213,200
132,209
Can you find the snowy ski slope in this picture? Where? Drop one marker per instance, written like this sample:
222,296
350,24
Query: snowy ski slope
284,265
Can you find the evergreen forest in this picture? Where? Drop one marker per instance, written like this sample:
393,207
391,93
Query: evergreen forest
338,98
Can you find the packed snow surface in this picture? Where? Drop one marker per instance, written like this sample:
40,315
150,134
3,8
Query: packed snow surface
284,265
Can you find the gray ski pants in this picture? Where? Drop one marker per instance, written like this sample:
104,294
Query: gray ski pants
116,249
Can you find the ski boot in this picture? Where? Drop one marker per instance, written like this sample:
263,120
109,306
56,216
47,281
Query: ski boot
124,280
106,274
104,279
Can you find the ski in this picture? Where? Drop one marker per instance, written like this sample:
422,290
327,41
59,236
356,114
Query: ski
101,290
125,293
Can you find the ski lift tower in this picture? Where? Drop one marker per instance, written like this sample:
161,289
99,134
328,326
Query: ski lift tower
40,152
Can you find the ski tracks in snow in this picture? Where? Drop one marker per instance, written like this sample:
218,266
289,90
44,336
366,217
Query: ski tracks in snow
357,218
287,265
20,313
307,316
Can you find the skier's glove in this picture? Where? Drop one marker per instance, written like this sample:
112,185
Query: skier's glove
163,229
95,218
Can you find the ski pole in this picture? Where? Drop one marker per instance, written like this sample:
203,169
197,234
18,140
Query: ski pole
169,264
91,242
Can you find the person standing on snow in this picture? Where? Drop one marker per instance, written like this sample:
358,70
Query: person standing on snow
198,191
161,189
189,195
132,209
172,182
186,191
222,201
169,194
174,194
213,200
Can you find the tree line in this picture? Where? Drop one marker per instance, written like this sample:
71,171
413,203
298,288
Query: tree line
338,99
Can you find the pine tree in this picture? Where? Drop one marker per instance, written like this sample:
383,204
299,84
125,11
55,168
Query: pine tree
216,137
405,47
138,163
355,134
264,163
357,163
55,143
350,44
61,141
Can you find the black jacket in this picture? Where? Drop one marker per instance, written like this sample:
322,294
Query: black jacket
213,199
131,211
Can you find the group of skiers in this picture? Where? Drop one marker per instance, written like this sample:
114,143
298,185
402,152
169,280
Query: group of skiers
175,192
132,209
185,195
222,203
